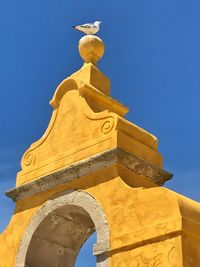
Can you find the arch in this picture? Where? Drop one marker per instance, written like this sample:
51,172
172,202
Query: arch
75,208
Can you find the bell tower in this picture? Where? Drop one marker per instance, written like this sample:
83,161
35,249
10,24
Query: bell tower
93,170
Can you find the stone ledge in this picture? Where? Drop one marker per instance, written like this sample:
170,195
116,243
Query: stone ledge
88,166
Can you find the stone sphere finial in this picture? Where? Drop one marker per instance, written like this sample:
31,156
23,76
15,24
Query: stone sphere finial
91,48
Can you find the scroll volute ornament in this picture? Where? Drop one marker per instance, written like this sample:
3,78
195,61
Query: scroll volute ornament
28,160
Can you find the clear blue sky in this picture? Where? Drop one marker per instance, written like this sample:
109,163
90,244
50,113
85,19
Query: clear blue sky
152,58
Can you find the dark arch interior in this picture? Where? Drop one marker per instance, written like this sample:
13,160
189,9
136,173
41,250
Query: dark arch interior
59,237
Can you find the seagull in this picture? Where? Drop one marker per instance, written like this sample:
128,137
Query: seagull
88,28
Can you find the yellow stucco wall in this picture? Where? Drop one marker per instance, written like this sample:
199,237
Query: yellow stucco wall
146,224
149,226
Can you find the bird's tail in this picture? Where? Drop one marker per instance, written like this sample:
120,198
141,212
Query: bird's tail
74,27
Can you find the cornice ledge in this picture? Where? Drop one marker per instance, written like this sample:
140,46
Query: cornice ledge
88,166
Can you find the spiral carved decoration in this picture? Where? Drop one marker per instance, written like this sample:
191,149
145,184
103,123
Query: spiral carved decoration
29,159
107,125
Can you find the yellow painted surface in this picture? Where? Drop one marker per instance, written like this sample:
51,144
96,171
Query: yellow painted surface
76,132
149,226
145,224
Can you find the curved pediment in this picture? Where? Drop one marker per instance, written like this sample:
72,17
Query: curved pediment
73,133
85,121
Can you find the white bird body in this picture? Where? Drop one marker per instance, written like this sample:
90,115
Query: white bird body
89,28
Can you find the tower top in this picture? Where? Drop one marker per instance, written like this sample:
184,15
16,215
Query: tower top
87,124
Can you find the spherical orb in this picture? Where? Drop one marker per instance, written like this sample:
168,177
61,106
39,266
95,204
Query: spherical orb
91,48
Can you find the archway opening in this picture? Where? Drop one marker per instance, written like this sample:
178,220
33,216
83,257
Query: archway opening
85,256
59,237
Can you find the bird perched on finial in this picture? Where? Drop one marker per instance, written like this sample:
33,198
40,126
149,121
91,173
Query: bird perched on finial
88,28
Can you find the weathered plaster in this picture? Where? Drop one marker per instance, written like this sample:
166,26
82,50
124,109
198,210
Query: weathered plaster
58,230
88,166
89,146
